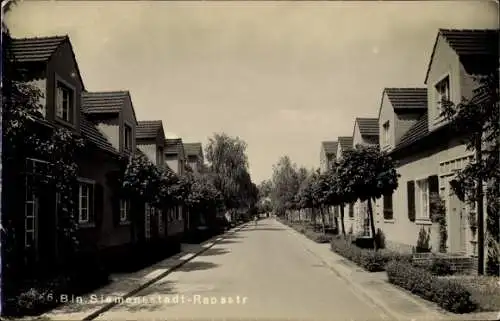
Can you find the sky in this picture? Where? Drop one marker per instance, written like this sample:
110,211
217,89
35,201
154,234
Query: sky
282,76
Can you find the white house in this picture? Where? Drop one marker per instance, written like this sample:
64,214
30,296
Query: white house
426,150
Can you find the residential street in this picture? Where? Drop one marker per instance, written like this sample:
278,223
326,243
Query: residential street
266,269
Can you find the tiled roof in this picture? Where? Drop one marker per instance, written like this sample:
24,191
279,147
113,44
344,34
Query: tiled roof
419,130
407,98
91,133
148,128
173,145
345,142
103,102
368,127
35,49
330,148
193,149
472,46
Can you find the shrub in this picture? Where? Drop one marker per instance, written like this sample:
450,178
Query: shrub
448,294
423,241
440,267
321,238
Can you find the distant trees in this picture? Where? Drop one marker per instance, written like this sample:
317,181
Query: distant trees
364,174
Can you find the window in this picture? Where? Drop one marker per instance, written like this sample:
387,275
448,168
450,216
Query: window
179,213
147,221
351,210
171,214
124,210
85,202
443,92
385,133
128,137
161,226
64,103
388,213
422,199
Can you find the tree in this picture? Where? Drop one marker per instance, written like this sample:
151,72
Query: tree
286,185
476,120
335,194
229,166
370,174
265,188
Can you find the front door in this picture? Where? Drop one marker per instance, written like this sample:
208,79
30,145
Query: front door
457,223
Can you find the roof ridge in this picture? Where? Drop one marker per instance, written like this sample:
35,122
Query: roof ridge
406,88
106,92
468,29
62,37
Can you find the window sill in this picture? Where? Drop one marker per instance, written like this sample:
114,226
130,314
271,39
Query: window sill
389,221
86,225
423,221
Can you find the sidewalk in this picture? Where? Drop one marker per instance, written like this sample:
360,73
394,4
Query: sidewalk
397,303
122,286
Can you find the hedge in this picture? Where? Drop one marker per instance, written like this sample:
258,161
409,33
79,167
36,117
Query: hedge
370,260
448,294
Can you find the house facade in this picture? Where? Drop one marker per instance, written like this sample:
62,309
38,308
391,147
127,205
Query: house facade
194,156
427,152
344,144
365,133
176,160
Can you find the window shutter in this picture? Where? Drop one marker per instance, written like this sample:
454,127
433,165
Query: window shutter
96,202
388,211
115,208
411,200
433,182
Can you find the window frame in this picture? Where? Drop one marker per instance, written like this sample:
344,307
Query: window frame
61,84
90,200
124,209
422,199
127,147
385,133
438,85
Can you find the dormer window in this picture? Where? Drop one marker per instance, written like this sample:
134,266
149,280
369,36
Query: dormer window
385,133
128,137
64,103
442,93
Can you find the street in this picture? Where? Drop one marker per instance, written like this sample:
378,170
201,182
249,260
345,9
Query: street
260,272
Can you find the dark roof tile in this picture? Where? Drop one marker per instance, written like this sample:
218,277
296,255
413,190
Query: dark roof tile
148,129
173,145
368,127
193,149
407,98
345,142
35,49
330,147
419,130
92,134
103,102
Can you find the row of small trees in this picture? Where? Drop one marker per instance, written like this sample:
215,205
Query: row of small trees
364,173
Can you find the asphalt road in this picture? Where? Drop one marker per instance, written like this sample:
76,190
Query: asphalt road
258,273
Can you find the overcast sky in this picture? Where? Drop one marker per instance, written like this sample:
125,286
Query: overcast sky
281,76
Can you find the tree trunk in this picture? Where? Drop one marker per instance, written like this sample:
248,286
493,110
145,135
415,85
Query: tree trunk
342,218
323,219
480,213
372,223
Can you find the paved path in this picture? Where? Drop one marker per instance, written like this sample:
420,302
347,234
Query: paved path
267,274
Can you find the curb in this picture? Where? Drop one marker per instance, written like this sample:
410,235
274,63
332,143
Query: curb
205,246
357,287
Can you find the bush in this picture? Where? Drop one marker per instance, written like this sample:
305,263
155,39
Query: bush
368,259
448,294
440,267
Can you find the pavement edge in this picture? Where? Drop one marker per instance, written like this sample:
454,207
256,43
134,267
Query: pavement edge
205,246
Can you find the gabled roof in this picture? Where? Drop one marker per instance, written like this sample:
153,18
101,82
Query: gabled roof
471,45
403,99
103,102
174,146
148,129
345,142
368,127
40,50
330,147
193,149
419,130
92,134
